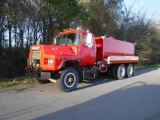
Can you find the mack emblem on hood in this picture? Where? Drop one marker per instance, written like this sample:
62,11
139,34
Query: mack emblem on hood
54,49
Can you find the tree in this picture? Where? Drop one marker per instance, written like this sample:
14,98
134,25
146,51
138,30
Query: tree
102,15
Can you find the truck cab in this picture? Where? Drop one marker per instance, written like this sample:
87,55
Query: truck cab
72,49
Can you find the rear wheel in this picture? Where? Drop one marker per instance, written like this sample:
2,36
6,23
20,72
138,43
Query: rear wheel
114,71
69,79
130,70
121,71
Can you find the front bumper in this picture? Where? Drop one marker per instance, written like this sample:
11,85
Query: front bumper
37,73
34,71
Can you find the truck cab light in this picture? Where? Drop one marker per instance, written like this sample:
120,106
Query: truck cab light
36,48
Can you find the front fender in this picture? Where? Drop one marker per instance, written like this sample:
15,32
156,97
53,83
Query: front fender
66,63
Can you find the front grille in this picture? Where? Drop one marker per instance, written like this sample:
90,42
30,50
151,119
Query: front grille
36,54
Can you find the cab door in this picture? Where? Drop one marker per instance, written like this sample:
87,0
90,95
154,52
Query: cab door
88,49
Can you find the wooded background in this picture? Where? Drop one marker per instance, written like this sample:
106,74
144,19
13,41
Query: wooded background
26,22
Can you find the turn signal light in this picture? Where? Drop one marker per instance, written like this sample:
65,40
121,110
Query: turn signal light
48,61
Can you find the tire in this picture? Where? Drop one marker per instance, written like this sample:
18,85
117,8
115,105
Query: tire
114,71
121,72
130,70
69,79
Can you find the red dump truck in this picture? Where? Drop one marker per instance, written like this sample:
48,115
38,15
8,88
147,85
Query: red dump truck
77,55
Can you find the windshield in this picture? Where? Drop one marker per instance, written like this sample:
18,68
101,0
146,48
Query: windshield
71,38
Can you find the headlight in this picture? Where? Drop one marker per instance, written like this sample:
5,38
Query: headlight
48,61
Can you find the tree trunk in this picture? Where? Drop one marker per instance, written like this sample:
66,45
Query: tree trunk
35,36
21,38
0,40
10,44
15,36
27,44
44,34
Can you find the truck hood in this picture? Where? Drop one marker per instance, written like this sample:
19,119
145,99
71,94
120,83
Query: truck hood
59,50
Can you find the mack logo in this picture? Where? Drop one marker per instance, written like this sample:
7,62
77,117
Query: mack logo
54,49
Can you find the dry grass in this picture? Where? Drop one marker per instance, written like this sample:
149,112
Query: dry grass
15,81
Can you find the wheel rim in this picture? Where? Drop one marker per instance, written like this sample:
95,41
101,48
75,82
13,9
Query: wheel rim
130,69
122,72
70,80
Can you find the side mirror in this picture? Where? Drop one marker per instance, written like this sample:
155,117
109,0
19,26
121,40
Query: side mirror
89,40
55,40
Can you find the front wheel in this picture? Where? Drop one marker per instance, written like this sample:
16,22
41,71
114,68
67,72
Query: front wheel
69,79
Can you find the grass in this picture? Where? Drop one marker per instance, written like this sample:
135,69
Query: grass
147,66
15,81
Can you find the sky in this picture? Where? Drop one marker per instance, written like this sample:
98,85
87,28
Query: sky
150,7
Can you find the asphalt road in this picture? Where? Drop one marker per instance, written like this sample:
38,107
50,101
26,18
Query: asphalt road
136,98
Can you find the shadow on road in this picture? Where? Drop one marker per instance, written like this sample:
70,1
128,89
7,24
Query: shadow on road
137,101
103,78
